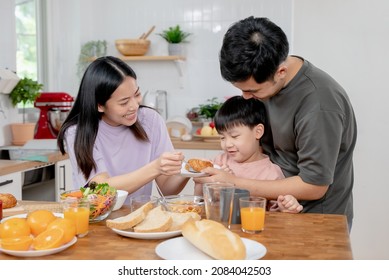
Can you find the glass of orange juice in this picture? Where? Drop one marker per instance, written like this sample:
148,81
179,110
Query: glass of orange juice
77,210
252,214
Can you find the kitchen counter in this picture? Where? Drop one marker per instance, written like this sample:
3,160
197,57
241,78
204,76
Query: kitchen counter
11,166
286,237
195,144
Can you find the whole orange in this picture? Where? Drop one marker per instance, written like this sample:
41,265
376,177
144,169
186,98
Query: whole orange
68,227
38,220
14,227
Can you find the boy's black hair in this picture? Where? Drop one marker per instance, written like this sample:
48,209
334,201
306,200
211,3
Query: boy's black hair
237,111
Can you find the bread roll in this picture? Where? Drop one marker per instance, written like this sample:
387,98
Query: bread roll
8,200
214,239
131,219
198,164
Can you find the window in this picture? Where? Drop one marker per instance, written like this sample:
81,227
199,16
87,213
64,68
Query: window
26,39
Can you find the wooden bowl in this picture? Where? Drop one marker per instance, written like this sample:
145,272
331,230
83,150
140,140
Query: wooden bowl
132,47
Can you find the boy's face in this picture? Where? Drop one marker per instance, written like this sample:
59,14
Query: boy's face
242,143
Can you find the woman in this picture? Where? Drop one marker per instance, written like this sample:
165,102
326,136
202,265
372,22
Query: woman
111,138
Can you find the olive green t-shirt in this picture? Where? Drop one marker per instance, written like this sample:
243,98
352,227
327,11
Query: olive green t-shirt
313,135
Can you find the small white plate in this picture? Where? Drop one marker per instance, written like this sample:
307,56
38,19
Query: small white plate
181,249
39,253
147,235
36,253
186,173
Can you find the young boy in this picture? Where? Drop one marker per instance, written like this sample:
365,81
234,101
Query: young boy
241,123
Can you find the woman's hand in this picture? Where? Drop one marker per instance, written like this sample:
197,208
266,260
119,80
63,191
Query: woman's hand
169,163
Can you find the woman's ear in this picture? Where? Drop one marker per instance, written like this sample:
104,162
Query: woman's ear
259,130
100,108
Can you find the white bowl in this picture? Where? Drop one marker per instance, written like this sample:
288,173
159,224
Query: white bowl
121,198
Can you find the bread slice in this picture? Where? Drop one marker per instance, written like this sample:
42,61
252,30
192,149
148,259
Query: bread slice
156,220
131,219
214,239
179,219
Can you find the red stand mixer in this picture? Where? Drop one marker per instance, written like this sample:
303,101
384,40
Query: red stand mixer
54,108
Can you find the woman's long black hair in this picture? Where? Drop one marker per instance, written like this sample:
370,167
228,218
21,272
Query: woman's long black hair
100,80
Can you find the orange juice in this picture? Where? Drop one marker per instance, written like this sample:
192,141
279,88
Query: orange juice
80,216
253,219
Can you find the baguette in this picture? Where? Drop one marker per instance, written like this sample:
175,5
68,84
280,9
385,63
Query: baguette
131,219
214,239
179,219
156,220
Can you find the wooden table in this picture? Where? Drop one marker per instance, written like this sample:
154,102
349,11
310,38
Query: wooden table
286,237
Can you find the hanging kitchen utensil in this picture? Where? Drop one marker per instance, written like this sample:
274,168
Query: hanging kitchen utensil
145,35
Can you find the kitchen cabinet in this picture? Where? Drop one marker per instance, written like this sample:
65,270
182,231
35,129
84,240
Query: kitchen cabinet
11,183
63,177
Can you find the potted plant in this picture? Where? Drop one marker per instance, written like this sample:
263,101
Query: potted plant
174,36
26,90
209,109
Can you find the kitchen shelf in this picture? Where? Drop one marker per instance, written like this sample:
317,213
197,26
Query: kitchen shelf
153,58
175,58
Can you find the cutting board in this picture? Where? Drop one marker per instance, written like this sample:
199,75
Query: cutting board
18,209
25,207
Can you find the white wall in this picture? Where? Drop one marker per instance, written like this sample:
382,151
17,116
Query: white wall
349,39
7,60
73,23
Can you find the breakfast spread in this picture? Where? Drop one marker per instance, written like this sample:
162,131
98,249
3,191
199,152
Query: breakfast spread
198,164
149,219
214,239
8,200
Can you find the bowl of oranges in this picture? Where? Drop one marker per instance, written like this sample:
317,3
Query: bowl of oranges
38,233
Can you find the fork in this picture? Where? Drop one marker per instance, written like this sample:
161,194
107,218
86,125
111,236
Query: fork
163,200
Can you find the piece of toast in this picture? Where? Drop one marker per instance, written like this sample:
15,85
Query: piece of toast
156,220
131,219
179,219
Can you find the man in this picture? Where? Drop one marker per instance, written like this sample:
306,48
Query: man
312,124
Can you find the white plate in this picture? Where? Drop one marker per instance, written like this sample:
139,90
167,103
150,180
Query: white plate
39,253
186,173
36,253
181,249
212,138
25,216
149,235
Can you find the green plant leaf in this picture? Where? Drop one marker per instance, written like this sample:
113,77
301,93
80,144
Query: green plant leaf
174,35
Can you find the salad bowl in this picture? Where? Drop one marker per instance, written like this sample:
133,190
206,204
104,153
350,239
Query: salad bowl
101,197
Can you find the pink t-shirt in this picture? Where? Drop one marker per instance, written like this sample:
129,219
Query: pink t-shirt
262,169
117,151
